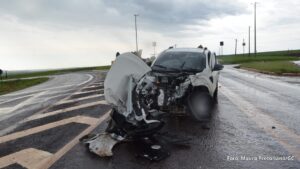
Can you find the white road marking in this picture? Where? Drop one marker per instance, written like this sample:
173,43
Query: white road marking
26,102
79,99
86,92
5,110
28,158
49,92
75,141
36,91
98,83
57,87
13,126
37,159
92,86
38,116
11,100
282,134
261,78
76,119
90,78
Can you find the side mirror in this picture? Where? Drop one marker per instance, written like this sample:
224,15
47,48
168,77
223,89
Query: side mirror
218,67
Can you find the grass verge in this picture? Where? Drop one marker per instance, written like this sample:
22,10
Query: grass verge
277,62
262,56
247,59
54,72
11,86
277,67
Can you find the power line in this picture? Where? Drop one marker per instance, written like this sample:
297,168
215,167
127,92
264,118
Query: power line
235,46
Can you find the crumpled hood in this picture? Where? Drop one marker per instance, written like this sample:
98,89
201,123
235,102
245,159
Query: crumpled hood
117,79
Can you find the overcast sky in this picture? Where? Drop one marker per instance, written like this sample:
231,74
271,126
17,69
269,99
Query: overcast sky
39,34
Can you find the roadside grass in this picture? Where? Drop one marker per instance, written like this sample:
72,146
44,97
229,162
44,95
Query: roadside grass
278,62
54,72
103,67
11,86
277,67
247,59
263,56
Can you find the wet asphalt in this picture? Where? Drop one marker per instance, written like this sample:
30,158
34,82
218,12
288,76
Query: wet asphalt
231,139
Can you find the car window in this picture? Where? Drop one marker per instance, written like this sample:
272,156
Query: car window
180,61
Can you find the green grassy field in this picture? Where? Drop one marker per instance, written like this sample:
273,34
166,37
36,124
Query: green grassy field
263,56
55,72
277,62
11,86
277,67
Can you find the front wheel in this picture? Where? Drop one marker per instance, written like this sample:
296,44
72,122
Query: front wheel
200,105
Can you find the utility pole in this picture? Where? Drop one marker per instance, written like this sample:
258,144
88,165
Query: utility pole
244,44
249,41
255,28
235,46
154,45
136,36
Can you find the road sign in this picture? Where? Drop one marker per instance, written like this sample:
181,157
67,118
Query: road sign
221,43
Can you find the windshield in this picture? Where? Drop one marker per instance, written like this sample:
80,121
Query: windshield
180,61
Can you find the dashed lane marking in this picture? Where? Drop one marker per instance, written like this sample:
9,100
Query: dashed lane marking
79,99
76,119
282,134
28,158
38,116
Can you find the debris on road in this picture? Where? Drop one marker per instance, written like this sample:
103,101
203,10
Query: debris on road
100,144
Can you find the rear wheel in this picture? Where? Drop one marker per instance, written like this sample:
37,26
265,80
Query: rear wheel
200,105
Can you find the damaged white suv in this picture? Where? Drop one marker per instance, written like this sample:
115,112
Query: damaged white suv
180,80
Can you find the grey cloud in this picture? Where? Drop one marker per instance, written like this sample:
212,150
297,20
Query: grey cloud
177,11
155,15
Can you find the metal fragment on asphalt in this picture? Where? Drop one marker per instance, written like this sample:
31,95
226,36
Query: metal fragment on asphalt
101,144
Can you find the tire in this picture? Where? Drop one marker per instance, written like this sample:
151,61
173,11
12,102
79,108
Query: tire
200,105
216,95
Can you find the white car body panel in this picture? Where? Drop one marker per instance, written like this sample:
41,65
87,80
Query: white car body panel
117,79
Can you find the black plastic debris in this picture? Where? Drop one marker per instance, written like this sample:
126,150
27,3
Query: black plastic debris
150,149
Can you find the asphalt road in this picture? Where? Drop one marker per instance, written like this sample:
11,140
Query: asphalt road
255,125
